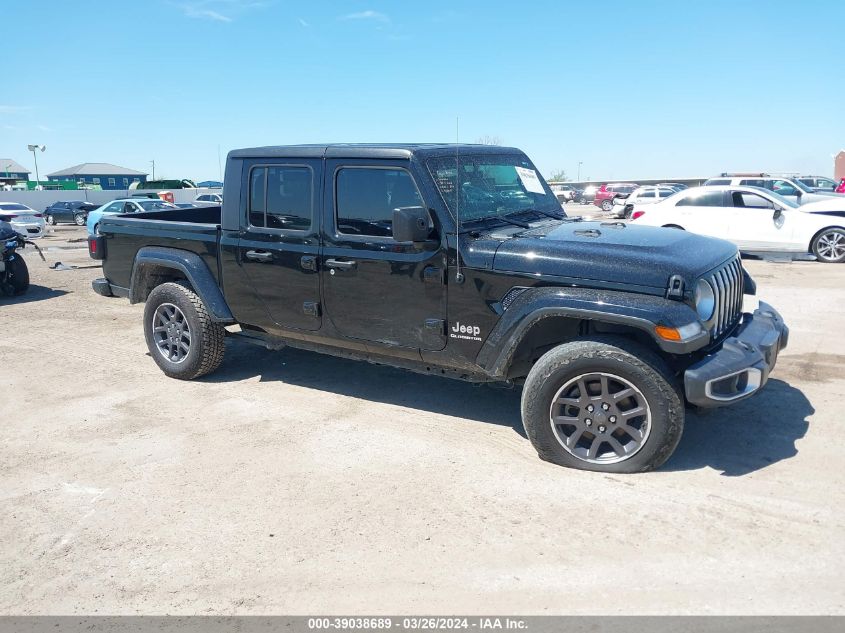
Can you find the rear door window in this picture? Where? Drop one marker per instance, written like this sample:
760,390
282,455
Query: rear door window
746,200
281,197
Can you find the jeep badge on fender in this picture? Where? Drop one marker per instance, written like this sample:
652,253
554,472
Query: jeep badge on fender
470,332
459,261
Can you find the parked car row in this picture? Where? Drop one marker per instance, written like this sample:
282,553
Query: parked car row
32,223
793,188
607,194
124,205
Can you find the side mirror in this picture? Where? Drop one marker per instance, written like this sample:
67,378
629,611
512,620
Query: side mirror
778,212
410,224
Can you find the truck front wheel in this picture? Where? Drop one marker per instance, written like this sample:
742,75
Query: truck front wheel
183,340
603,404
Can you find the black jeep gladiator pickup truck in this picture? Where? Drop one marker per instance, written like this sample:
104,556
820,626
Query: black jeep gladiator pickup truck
456,260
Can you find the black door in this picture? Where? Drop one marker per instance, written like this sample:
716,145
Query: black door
374,288
278,248
62,212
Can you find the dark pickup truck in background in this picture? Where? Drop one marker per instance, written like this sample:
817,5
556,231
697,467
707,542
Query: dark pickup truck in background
456,261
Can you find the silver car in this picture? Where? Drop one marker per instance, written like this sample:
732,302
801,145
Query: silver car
28,222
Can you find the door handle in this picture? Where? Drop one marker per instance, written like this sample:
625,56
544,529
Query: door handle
259,256
336,263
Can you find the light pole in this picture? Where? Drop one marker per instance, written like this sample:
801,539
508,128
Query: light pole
32,149
580,162
154,169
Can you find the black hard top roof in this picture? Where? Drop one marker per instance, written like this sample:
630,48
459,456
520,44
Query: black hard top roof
369,150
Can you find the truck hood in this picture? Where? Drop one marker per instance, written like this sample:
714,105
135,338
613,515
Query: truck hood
611,252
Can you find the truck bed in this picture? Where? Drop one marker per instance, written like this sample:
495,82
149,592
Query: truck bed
195,230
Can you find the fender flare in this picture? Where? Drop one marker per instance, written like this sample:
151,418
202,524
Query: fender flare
189,264
642,312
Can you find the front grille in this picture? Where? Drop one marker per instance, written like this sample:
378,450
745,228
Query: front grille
728,288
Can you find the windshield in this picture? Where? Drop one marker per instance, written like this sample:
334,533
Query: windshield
492,185
156,205
14,207
804,187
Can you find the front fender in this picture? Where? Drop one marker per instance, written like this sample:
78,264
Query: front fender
152,259
639,311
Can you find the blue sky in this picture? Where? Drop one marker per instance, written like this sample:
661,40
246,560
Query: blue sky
630,89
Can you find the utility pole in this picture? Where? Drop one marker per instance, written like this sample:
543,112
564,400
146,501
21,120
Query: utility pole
154,169
580,162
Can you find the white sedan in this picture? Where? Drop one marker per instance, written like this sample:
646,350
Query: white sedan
28,222
757,220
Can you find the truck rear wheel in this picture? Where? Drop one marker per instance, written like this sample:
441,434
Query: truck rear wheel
603,404
183,340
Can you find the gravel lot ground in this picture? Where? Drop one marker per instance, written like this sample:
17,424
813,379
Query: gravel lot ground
291,482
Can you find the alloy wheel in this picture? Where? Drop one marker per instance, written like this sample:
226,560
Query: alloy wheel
600,418
831,245
171,333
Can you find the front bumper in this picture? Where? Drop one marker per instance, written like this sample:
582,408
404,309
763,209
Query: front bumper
741,366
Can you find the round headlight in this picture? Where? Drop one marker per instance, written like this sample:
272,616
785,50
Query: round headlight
705,300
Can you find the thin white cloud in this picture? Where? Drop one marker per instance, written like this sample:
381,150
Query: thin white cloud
44,128
219,10
369,14
303,22
13,109
212,15
208,14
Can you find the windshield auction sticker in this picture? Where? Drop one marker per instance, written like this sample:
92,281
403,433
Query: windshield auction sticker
529,180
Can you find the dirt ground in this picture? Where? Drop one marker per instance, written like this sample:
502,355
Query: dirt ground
291,482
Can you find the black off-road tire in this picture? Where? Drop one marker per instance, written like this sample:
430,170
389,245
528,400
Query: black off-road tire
207,345
611,355
18,275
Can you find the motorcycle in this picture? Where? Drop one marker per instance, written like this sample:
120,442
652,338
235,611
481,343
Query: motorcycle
14,274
